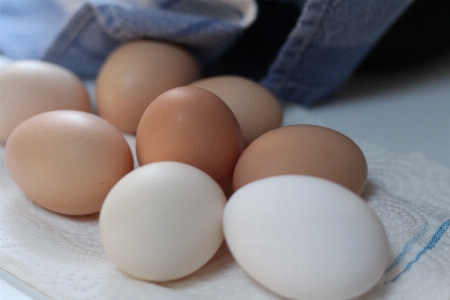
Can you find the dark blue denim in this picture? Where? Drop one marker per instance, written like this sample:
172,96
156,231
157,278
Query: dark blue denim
328,42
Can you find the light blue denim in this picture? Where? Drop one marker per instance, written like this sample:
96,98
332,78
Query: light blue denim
321,53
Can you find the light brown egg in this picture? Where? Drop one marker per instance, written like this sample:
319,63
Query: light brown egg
305,150
193,126
255,107
135,74
67,161
30,87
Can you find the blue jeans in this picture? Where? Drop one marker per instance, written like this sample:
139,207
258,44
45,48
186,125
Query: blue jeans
323,49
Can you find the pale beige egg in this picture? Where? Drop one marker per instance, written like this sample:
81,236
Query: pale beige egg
30,87
255,107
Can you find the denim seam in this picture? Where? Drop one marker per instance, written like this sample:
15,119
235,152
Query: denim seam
307,43
299,46
64,40
112,25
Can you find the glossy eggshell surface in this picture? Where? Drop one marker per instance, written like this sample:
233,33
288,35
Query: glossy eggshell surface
31,87
67,161
304,150
255,107
163,221
135,74
306,238
193,126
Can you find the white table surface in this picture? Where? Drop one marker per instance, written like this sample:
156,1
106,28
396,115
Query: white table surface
403,111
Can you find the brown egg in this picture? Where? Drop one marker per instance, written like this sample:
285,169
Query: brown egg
305,150
138,72
67,161
193,126
30,87
255,107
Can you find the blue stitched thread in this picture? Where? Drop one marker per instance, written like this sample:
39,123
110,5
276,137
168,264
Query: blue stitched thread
406,248
431,244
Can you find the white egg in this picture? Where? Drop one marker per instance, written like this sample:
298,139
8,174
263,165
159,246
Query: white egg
162,221
306,238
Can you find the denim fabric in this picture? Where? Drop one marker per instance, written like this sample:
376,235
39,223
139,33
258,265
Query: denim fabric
328,42
26,26
84,40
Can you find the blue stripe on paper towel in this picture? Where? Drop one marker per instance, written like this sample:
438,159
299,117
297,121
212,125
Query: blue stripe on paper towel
406,249
431,244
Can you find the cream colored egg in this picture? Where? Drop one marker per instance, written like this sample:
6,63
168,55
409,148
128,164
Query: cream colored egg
30,87
135,74
67,161
255,107
163,221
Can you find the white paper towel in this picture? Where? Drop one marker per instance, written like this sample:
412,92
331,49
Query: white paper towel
63,258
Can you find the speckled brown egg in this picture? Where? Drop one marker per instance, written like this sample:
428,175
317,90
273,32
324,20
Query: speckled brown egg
193,126
31,87
305,150
67,161
135,74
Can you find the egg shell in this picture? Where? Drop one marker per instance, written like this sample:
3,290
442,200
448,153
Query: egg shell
194,126
304,150
135,74
30,87
306,238
163,221
255,107
67,161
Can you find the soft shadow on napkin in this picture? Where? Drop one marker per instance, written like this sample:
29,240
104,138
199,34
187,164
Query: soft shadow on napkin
63,257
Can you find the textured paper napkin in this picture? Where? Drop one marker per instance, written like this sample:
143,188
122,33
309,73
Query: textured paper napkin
63,257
